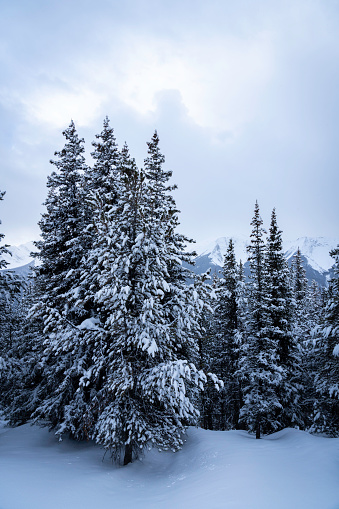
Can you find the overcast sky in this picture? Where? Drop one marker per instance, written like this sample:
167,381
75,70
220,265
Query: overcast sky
244,96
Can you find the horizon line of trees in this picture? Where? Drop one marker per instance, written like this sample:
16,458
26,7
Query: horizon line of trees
115,339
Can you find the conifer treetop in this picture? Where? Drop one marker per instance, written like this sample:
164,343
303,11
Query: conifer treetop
3,249
70,156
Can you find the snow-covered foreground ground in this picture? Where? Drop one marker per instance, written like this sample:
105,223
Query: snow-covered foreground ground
229,470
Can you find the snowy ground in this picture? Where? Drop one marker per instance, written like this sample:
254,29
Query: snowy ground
229,470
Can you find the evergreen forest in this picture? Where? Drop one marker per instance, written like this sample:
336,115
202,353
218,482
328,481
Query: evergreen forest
113,338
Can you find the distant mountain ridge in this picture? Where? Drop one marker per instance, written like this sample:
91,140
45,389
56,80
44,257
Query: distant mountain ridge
315,255
20,255
314,250
20,260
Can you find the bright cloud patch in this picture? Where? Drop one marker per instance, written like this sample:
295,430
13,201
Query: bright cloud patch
57,107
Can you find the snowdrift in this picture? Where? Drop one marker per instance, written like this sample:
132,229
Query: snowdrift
230,470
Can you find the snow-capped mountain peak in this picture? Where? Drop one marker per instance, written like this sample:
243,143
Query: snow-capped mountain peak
21,255
315,249
216,250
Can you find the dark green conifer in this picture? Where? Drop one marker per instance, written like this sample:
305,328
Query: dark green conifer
60,297
327,377
227,339
280,308
259,370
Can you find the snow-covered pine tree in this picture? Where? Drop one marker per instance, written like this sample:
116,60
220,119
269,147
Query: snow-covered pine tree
3,301
305,320
306,337
280,306
299,286
163,216
4,248
114,184
24,374
314,304
59,299
225,352
206,342
259,370
10,287
102,183
327,377
104,175
149,317
242,304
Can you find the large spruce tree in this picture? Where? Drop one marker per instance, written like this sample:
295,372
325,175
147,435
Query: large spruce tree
148,316
60,302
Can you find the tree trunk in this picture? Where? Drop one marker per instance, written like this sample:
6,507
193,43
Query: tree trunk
128,454
257,431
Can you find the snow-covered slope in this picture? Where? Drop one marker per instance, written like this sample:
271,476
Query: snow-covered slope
216,470
315,253
21,255
315,250
216,250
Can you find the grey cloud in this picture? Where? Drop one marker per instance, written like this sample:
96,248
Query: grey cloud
284,155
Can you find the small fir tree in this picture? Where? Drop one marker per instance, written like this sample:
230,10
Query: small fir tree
226,344
309,348
300,289
327,377
23,374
